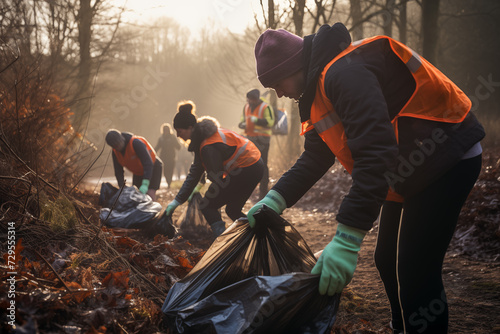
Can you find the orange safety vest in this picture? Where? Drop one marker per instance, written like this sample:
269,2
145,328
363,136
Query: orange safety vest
246,153
252,129
130,159
435,98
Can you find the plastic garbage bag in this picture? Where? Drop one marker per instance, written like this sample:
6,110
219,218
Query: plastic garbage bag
272,248
192,224
288,303
160,224
129,208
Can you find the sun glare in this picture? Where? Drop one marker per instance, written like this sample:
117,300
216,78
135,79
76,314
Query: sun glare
195,15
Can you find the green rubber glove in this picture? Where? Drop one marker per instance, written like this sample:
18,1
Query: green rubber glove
195,190
144,186
338,260
273,199
171,207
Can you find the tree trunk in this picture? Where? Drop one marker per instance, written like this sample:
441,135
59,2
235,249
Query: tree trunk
403,22
84,36
357,20
271,15
388,17
430,15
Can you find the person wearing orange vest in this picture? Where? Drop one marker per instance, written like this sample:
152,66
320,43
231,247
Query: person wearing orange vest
405,133
232,163
137,155
257,120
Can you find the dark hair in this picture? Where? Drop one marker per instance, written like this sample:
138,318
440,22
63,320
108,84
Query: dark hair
186,115
253,94
114,137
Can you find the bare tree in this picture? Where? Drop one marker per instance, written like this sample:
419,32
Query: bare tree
322,13
430,15
403,22
357,19
84,18
390,6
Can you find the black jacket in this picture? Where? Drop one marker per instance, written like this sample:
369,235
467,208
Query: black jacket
367,89
212,156
166,148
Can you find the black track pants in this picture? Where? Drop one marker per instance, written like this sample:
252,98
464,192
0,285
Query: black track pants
411,245
233,192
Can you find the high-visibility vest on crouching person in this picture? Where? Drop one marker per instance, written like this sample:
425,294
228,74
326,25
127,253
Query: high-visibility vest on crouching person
245,154
435,98
130,160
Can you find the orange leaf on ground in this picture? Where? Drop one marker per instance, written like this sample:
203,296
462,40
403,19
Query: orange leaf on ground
100,330
73,285
184,262
125,242
119,279
78,296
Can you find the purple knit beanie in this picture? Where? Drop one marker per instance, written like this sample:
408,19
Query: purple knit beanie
278,54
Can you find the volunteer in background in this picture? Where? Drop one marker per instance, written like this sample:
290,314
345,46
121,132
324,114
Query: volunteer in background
258,120
405,133
137,155
167,148
231,161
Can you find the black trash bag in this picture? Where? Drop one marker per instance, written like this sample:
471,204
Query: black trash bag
108,192
288,303
192,224
272,248
129,208
160,224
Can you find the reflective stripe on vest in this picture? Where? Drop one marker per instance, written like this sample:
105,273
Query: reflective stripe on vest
246,153
435,98
328,122
130,160
251,128
232,160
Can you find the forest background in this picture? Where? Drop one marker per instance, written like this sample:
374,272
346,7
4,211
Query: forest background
102,71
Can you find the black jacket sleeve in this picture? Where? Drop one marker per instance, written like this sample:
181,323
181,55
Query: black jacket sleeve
195,172
142,153
359,102
119,173
314,162
214,155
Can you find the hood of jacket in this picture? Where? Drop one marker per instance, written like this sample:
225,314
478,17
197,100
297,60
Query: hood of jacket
205,127
319,49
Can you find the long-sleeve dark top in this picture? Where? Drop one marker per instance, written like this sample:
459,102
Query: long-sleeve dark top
142,153
212,157
166,147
